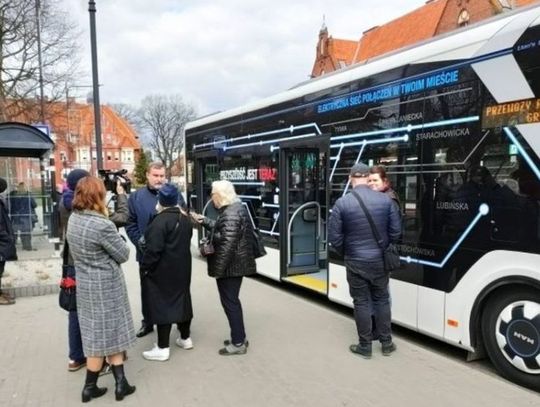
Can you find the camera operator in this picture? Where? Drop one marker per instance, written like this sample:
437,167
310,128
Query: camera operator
120,216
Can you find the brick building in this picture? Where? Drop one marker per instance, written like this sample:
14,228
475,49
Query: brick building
433,18
76,146
72,130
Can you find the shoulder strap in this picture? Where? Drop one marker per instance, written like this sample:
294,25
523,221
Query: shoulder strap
369,218
180,215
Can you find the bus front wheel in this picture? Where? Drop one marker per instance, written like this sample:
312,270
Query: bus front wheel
511,331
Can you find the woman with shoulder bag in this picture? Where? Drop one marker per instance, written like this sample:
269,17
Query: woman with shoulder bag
166,269
232,258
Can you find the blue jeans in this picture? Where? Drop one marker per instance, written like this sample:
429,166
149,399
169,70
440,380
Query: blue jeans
229,290
74,331
368,286
75,342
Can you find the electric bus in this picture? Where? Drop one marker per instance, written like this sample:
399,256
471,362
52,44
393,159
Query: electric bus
456,122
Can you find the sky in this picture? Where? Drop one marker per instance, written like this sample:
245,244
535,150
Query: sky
217,54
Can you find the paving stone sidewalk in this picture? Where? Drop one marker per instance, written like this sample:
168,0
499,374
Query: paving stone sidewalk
298,356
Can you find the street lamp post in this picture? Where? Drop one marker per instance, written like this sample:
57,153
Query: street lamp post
40,62
95,82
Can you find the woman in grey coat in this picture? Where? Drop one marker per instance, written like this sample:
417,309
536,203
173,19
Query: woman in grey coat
102,301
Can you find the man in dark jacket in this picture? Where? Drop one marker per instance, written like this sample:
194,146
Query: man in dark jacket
350,233
142,206
23,214
7,243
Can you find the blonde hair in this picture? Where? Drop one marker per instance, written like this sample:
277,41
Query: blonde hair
225,190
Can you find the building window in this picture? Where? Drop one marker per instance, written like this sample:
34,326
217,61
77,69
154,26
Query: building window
463,18
127,155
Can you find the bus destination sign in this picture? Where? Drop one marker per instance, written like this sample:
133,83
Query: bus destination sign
511,113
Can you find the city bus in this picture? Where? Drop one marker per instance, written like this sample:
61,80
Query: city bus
456,122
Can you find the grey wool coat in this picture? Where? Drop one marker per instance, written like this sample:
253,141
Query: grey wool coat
102,300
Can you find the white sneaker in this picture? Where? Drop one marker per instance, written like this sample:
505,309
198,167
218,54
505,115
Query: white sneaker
156,353
185,343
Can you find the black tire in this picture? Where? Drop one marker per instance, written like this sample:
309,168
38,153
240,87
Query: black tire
515,350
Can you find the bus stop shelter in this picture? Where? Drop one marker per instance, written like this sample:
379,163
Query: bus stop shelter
25,152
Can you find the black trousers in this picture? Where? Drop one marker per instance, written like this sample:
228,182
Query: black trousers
229,291
368,286
164,332
2,266
144,305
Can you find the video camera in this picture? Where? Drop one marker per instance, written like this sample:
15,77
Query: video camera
110,179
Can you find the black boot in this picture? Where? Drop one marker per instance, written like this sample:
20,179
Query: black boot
122,386
90,389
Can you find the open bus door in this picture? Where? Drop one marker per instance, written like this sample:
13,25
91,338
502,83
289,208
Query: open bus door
206,172
304,201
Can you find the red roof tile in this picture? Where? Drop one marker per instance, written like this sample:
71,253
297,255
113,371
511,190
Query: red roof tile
520,3
342,50
413,27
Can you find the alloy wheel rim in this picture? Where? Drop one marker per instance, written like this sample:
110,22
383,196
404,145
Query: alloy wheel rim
517,331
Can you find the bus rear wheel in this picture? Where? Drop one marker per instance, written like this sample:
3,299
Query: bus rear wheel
511,331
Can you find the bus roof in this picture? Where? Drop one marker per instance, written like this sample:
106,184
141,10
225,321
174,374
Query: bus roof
460,44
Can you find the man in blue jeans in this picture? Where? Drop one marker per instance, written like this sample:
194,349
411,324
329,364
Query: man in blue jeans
350,233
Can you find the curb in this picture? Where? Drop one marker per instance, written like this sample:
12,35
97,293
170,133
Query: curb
32,291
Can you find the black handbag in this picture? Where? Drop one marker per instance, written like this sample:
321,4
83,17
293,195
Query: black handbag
67,298
390,253
207,246
258,246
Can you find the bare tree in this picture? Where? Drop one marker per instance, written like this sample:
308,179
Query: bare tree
129,113
19,60
164,118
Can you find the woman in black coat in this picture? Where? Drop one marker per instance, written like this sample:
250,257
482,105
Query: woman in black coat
166,267
232,237
7,244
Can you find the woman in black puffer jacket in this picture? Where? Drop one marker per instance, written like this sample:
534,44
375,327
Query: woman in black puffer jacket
233,258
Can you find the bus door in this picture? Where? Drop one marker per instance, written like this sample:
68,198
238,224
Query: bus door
206,172
304,202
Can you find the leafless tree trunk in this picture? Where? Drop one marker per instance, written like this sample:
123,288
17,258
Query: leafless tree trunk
19,65
164,118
